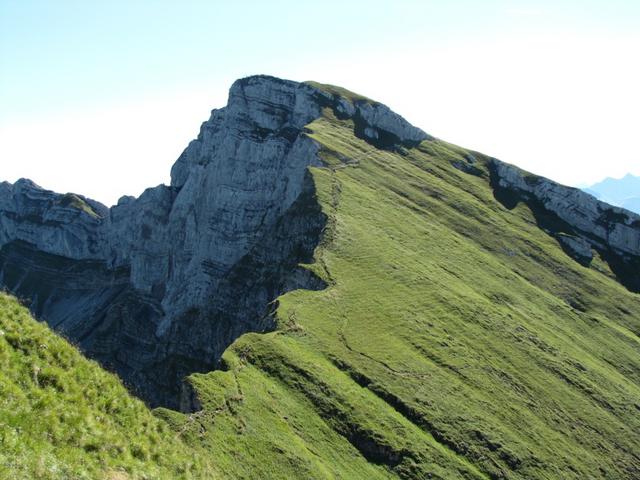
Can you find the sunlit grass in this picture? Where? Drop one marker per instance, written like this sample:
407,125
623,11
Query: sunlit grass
448,343
63,417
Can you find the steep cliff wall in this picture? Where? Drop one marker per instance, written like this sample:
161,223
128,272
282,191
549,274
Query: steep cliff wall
157,287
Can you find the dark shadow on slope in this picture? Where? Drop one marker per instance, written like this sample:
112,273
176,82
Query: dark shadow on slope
65,292
49,283
99,310
424,423
626,268
245,299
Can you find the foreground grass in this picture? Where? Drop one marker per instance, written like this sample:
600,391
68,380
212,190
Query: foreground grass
62,417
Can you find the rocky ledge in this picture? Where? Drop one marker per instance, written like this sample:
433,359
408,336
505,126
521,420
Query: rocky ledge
581,223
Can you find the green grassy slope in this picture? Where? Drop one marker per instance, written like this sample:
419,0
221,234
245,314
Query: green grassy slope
456,340
62,417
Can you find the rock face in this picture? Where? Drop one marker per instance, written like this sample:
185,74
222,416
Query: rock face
579,221
157,287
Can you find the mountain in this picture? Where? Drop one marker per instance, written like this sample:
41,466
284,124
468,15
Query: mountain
347,297
623,192
207,253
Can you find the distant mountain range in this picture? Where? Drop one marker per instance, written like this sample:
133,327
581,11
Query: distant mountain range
623,192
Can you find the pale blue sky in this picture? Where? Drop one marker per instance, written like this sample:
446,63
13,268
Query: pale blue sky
101,97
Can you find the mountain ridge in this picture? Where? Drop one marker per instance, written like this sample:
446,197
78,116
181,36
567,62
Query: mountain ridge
409,310
623,192
145,248
255,154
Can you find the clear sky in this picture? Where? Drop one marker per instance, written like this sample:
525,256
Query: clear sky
100,98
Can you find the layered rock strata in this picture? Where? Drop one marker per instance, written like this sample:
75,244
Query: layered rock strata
581,223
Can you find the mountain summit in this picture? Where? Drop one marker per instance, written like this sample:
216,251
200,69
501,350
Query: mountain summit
326,291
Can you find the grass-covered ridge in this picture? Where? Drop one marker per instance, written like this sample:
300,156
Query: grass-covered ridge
456,339
74,201
62,417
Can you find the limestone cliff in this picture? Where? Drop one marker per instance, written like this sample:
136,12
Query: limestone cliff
157,287
579,221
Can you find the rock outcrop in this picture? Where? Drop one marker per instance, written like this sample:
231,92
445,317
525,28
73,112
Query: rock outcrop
157,287
577,219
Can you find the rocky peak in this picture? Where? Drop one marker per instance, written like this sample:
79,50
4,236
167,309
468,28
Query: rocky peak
156,287
263,107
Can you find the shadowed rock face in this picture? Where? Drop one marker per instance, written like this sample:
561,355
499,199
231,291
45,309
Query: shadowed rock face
578,220
157,287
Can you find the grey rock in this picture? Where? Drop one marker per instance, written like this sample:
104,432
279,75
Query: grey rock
380,119
578,248
468,165
583,222
599,222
